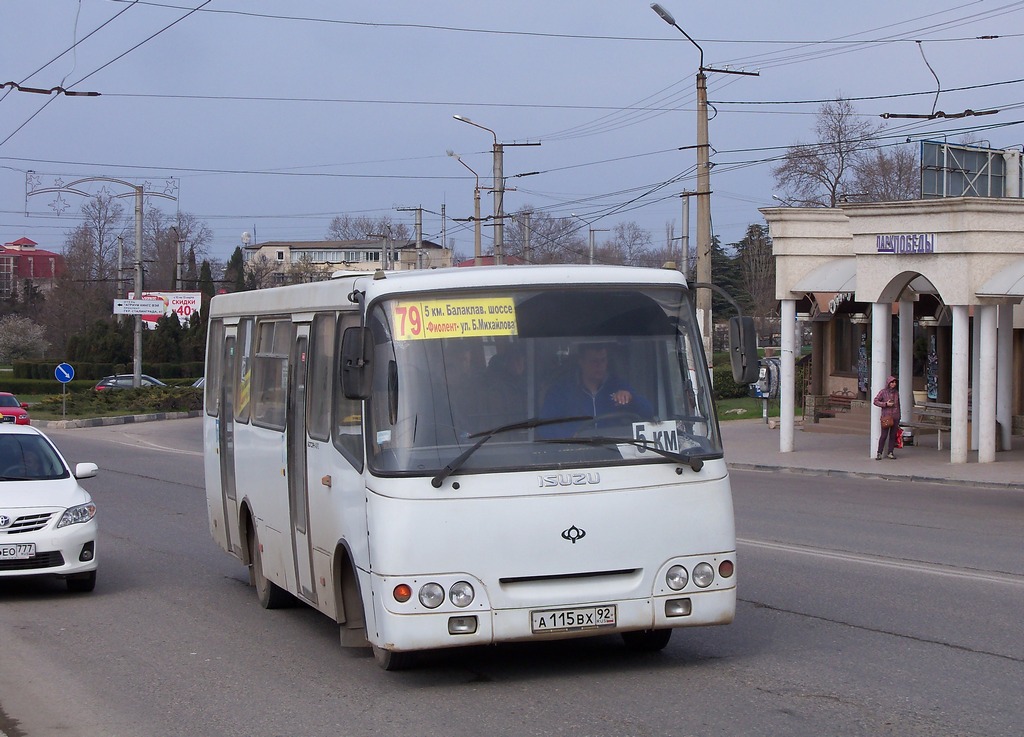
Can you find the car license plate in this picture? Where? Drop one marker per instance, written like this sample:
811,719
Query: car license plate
17,551
7,418
566,620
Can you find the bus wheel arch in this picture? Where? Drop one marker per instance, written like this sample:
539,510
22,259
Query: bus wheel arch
349,600
270,595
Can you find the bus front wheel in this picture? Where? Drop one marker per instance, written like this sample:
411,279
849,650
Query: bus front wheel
270,595
391,660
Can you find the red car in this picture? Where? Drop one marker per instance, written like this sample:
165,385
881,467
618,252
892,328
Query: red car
11,410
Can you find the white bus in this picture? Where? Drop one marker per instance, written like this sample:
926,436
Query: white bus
469,456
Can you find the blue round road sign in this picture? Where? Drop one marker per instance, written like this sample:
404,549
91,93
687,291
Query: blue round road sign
64,373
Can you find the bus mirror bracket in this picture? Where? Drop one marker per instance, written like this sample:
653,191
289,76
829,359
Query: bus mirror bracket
356,362
743,350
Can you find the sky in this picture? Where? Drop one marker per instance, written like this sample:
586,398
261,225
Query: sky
272,118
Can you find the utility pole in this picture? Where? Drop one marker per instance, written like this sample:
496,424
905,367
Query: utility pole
137,362
684,242
704,245
499,186
527,254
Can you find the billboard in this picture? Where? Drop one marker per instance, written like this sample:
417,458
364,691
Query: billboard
182,304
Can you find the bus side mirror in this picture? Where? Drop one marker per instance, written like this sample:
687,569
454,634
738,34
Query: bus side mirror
743,350
356,363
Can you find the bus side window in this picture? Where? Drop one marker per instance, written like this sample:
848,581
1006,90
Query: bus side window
347,413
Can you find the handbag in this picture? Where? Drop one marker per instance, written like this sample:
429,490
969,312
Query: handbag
899,437
887,422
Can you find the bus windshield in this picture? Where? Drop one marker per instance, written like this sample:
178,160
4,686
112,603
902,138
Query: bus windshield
537,378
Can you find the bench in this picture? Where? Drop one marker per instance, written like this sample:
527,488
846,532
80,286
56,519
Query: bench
936,416
835,403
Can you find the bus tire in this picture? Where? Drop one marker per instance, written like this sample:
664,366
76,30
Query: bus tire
391,660
270,595
647,641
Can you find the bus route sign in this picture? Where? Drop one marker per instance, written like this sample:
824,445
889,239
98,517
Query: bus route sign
453,318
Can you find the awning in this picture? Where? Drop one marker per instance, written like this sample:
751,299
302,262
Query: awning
1009,282
838,275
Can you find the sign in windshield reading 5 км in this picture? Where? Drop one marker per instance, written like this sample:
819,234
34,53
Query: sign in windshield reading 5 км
453,318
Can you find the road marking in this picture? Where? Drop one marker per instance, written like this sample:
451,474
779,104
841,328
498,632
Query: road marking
153,446
935,569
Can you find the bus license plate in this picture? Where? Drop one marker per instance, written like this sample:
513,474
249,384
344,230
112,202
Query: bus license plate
566,620
17,551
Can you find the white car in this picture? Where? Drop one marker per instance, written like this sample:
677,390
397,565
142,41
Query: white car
47,521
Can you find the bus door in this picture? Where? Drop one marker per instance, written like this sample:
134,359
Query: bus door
298,492
226,444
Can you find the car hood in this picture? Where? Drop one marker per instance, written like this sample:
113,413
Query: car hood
16,411
50,493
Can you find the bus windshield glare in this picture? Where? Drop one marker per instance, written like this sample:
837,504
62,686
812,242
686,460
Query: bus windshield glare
537,378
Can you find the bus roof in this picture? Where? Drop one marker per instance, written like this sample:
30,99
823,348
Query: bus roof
334,293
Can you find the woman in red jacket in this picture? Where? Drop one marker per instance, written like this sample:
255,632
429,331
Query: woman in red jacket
889,400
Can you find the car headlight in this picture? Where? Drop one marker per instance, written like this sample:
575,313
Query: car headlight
77,515
431,595
461,594
703,575
676,578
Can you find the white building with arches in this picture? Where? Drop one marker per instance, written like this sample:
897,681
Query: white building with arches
948,271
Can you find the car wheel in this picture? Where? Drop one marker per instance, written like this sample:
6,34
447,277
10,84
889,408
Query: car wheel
647,641
270,595
81,583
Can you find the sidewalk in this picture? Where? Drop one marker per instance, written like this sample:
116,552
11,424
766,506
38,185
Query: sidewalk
751,445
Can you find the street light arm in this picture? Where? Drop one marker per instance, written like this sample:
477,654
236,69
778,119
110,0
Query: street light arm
464,119
667,17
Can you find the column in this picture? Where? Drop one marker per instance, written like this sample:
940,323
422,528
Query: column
787,376
958,385
1004,375
985,399
881,330
906,377
975,376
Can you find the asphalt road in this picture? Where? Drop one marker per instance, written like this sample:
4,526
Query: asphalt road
866,608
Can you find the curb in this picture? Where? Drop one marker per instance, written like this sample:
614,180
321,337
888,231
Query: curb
121,420
875,476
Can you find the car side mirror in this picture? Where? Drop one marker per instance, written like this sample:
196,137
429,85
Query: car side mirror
743,350
85,470
24,405
356,363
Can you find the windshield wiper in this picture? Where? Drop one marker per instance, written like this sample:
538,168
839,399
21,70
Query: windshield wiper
486,435
692,461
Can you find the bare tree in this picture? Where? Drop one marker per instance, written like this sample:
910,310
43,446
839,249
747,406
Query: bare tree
349,228
161,233
888,175
817,174
629,244
552,240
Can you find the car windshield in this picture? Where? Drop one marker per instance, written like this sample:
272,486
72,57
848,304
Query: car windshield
553,378
9,401
29,458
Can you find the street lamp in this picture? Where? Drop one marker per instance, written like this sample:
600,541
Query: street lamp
499,189
703,258
703,267
477,259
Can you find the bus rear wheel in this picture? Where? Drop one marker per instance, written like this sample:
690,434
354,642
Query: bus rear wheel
647,641
270,595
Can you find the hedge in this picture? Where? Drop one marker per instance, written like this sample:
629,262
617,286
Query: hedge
96,371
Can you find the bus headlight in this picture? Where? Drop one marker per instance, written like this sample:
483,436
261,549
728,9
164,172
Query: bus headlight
703,575
676,578
431,595
461,594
